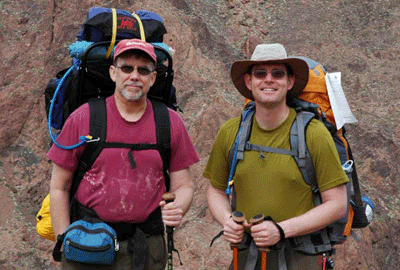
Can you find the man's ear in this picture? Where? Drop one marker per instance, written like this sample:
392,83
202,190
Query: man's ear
291,80
112,73
247,81
153,78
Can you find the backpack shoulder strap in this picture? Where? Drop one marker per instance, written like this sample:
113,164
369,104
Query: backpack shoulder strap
303,159
236,152
163,135
98,130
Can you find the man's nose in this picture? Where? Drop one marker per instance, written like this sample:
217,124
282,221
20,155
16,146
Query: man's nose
134,74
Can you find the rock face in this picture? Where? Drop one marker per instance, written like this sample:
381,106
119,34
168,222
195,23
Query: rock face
358,38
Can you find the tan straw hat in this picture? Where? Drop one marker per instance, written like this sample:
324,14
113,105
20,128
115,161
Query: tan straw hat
270,53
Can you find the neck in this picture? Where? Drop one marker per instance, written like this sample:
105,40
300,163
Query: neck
131,111
271,117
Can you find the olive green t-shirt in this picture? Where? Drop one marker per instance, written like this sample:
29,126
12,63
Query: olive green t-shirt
274,185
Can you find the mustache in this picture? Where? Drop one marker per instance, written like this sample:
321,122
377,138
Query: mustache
134,84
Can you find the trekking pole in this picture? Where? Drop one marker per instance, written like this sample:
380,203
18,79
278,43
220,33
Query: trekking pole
238,217
257,219
169,197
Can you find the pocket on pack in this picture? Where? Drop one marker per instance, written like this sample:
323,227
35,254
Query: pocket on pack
364,213
90,241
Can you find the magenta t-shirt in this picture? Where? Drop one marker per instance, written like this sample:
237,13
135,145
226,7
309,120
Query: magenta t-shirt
111,187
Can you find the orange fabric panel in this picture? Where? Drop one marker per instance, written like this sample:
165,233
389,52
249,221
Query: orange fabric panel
347,229
316,92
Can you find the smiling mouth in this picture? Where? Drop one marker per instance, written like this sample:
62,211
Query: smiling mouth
268,90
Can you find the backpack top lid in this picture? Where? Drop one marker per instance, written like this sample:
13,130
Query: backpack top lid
153,25
99,25
99,22
316,90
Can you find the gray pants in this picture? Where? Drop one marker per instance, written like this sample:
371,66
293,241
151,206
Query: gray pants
157,258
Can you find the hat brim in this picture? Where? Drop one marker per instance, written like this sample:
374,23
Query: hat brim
299,67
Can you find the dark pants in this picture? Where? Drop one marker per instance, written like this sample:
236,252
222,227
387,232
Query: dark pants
157,258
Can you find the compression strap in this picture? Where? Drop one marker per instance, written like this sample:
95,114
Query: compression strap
114,33
142,35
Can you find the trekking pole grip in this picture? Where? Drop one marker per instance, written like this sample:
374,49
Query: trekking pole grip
169,197
257,219
238,217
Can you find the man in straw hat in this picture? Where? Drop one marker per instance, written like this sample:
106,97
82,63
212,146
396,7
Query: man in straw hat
273,185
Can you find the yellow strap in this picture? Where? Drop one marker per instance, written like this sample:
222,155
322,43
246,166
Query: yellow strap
142,35
114,33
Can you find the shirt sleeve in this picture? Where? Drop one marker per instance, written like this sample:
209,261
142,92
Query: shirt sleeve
217,169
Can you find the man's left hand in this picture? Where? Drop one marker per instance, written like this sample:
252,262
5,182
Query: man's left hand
172,213
265,234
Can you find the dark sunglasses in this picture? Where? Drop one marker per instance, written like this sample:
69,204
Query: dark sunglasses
142,70
262,73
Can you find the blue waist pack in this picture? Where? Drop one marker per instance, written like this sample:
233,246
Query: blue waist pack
89,241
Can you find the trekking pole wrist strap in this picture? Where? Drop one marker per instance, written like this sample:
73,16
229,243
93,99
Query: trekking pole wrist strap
57,248
281,232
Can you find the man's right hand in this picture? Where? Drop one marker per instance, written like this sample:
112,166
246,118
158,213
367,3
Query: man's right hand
233,232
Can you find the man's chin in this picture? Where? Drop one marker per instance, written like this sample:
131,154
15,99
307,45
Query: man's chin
130,96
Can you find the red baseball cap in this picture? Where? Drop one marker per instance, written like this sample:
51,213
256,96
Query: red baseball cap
135,44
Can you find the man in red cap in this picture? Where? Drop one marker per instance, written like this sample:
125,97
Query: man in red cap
117,190
269,182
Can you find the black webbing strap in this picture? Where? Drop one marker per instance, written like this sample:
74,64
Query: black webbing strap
98,130
354,177
163,135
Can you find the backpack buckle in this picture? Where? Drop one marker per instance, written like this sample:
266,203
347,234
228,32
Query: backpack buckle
89,139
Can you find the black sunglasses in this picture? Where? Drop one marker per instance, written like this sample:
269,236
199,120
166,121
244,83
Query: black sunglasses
142,70
262,73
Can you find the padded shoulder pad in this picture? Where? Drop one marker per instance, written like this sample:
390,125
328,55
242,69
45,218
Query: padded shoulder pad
299,145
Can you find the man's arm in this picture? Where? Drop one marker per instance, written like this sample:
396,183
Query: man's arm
183,187
60,186
220,209
333,208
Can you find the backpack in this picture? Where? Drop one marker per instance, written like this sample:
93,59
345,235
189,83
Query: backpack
92,55
88,80
312,103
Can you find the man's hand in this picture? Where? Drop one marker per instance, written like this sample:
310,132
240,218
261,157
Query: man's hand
233,232
265,234
172,213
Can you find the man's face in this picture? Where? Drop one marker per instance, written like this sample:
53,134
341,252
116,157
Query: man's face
133,77
269,83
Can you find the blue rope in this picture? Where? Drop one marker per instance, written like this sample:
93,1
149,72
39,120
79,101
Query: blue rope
233,167
83,139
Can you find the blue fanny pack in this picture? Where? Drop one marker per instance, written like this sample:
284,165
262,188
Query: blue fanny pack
88,241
